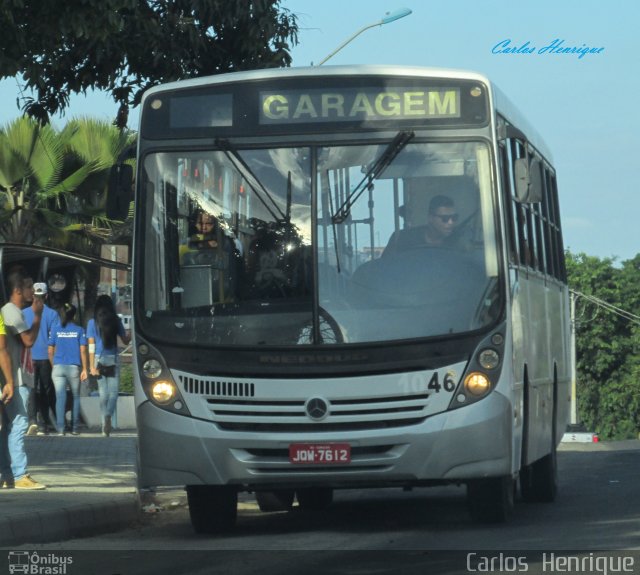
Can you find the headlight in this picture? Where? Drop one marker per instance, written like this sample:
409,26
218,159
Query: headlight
163,391
477,383
152,368
489,358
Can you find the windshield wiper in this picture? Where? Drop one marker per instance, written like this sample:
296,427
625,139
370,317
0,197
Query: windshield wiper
251,179
393,149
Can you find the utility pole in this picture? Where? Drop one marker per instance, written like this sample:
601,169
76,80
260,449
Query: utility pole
574,402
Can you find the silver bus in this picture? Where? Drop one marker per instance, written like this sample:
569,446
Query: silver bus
301,325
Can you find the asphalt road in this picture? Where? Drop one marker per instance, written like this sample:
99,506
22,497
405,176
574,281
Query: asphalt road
378,531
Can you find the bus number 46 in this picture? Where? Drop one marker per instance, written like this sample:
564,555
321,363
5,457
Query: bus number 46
448,383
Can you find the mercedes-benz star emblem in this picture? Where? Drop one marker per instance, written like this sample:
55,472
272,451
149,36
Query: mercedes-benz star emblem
317,408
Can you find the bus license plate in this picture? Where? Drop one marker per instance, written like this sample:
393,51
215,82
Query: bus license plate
326,453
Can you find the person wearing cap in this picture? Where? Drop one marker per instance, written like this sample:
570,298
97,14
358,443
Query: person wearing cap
21,339
43,398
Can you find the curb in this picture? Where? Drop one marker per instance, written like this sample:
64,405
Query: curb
69,522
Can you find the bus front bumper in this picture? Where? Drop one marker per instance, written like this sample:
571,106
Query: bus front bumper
454,446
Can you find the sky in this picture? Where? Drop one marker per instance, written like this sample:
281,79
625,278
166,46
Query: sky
584,107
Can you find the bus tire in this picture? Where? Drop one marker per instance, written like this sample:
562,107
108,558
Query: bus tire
212,508
314,498
491,500
278,500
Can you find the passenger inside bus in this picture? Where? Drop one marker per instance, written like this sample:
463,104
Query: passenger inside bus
207,244
442,220
210,262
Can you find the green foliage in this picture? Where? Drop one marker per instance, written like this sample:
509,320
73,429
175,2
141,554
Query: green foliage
608,344
126,378
126,46
53,183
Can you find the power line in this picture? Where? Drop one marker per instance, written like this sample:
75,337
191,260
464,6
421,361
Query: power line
633,318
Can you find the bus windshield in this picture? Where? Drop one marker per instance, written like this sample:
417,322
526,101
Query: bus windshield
325,244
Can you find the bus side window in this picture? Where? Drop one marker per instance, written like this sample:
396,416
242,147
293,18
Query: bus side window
511,207
525,238
533,230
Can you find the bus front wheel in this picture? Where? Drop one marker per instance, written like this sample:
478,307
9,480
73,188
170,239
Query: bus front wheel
212,508
491,500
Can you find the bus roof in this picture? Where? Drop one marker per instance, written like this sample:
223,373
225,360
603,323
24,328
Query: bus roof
500,101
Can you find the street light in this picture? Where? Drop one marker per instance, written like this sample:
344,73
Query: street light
389,17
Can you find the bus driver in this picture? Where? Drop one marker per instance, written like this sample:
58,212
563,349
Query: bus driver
442,220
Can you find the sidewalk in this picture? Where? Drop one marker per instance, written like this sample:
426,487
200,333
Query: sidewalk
91,488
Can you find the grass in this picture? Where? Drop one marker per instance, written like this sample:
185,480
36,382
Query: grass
126,378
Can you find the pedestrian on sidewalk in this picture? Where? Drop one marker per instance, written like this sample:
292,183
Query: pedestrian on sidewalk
6,380
102,333
20,338
43,397
68,356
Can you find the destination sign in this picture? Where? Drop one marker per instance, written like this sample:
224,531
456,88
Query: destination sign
357,104
322,104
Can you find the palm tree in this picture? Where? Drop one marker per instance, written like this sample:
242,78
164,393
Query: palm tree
53,184
94,145
53,187
30,167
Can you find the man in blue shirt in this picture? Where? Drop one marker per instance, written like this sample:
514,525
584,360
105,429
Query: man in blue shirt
43,398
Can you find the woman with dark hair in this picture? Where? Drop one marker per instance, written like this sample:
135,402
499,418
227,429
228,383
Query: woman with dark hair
102,333
68,356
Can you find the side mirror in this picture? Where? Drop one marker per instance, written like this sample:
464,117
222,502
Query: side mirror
120,192
528,176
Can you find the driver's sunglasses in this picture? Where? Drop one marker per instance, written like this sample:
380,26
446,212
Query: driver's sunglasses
444,218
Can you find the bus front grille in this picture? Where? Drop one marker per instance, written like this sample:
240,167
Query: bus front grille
349,404
342,414
318,427
221,388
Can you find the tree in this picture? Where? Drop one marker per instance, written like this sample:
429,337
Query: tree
52,184
53,187
126,46
93,145
96,145
31,166
608,343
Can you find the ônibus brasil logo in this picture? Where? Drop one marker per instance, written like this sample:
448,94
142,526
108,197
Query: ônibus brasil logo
38,564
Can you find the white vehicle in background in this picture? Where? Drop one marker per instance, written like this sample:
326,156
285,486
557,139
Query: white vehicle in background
578,434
